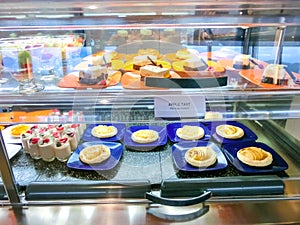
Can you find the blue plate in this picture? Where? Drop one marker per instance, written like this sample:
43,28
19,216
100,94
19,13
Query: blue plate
172,127
179,150
162,138
87,135
230,150
249,135
116,150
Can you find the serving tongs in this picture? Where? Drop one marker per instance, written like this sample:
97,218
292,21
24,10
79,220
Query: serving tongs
290,73
260,66
154,63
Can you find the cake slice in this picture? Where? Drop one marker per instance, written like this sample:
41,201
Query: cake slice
154,71
194,64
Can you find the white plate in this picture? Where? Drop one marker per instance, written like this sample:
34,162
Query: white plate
12,149
8,138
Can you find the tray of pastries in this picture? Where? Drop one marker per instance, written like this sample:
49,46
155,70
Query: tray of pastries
198,156
254,157
147,66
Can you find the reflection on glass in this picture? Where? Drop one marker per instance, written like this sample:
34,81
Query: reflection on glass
3,79
50,64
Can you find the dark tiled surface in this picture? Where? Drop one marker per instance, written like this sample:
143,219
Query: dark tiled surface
154,166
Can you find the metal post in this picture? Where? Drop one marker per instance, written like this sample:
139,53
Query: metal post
246,41
278,44
7,175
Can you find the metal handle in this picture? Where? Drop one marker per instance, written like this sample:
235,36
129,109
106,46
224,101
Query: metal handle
178,202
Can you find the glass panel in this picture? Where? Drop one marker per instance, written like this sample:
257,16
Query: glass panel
71,68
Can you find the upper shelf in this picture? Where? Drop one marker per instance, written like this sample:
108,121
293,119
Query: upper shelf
39,15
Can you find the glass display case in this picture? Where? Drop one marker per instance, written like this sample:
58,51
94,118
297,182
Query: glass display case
181,109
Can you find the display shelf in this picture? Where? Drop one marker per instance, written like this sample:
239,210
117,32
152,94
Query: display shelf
95,104
75,31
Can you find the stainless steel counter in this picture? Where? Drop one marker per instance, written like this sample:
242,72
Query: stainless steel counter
227,213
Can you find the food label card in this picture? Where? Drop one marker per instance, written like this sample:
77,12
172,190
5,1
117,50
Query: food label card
179,106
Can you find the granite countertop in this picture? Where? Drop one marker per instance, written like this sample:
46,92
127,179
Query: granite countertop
155,166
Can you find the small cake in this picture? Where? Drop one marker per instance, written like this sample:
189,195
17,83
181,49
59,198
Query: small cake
201,156
104,60
73,139
93,75
274,74
25,137
33,148
154,71
241,62
144,136
183,54
62,149
46,148
190,133
94,154
104,131
229,131
194,64
143,60
254,156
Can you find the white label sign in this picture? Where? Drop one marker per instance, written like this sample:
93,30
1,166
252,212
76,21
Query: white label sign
179,106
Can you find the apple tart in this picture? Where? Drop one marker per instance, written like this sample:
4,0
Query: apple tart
201,156
190,133
254,156
229,131
104,131
144,136
94,154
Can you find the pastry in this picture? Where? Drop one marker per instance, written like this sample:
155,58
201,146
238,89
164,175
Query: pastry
254,156
25,137
201,156
18,130
144,136
229,131
72,137
46,148
274,74
33,148
241,61
94,154
194,64
143,60
154,71
104,60
62,149
190,132
104,131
